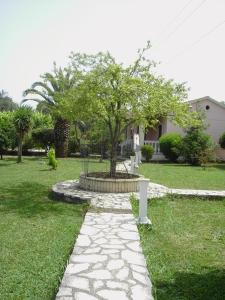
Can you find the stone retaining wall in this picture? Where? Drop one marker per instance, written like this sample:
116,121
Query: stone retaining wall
108,185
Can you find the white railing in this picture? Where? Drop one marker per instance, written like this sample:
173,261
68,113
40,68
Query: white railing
154,144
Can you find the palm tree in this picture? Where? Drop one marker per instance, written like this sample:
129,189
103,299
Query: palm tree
22,122
52,90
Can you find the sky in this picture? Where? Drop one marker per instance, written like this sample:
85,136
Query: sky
187,37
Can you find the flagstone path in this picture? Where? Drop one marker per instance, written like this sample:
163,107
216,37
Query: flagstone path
107,262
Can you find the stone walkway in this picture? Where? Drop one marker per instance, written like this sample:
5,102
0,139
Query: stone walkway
107,262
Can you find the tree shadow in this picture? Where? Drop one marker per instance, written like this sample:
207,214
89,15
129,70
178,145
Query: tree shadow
210,285
30,199
3,164
219,166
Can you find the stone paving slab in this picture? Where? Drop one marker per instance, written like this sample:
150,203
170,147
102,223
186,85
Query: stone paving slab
201,193
107,261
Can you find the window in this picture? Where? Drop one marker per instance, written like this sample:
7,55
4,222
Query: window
207,107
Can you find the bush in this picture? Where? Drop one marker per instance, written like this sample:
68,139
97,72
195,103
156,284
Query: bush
197,147
170,145
147,151
43,137
8,138
222,141
84,150
51,159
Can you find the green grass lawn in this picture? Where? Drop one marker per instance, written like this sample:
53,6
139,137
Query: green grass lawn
36,233
185,176
185,248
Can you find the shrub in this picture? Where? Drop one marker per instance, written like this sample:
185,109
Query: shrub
43,137
170,145
147,151
51,159
222,141
197,147
8,138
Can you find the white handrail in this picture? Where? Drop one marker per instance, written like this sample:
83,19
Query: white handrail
154,144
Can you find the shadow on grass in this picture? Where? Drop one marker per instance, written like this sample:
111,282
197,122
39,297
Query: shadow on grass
209,285
220,167
30,199
5,164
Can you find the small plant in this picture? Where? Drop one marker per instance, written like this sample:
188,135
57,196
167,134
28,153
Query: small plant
170,145
222,141
147,151
51,159
132,153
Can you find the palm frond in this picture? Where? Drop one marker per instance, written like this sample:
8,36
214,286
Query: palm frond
44,86
36,92
51,79
31,99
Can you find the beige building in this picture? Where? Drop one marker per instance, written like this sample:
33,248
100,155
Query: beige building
213,111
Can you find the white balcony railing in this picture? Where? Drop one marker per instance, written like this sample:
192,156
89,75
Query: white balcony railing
154,144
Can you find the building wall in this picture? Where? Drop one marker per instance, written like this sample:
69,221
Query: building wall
215,117
171,127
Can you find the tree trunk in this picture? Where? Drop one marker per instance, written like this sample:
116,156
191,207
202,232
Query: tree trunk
113,159
61,135
20,147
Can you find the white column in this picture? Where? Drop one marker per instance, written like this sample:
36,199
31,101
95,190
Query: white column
143,204
132,158
136,169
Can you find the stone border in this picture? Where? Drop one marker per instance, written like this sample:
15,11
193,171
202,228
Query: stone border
109,185
70,191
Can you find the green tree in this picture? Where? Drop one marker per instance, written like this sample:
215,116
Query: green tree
23,123
43,108
7,132
4,142
121,95
197,146
6,103
43,137
41,134
52,91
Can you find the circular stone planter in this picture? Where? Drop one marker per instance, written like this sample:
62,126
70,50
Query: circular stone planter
109,185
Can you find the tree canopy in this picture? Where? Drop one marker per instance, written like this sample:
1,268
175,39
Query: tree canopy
119,95
22,120
6,103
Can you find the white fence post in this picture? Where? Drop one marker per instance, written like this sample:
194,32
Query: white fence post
143,205
132,158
